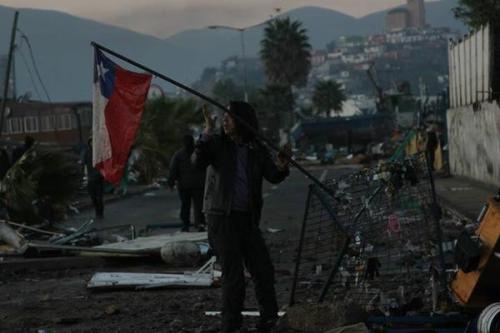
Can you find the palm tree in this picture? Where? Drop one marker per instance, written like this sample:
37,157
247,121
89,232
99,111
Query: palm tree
286,54
328,96
226,90
476,13
40,185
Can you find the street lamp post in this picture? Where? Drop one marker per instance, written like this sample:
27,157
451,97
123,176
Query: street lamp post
243,57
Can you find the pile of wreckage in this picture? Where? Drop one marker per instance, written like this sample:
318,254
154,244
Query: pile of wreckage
175,249
376,249
375,255
28,194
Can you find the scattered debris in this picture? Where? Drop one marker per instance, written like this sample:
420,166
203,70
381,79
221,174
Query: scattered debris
204,277
84,228
274,230
154,243
356,328
243,313
459,189
11,237
111,310
183,253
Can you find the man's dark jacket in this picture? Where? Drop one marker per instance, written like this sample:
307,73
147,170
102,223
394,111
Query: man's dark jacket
218,152
183,171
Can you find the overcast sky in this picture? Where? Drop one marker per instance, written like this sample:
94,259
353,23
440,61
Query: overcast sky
166,17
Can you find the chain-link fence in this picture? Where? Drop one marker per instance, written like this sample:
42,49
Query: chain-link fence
375,243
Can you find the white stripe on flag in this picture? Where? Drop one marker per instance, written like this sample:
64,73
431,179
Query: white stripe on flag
101,145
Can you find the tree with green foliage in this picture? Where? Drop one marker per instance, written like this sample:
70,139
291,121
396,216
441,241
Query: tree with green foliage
226,90
328,96
476,13
286,54
40,185
165,121
270,101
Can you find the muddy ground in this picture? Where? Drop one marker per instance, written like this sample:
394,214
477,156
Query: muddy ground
56,300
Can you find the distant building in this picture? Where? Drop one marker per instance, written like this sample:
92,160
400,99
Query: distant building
397,19
58,124
417,13
318,57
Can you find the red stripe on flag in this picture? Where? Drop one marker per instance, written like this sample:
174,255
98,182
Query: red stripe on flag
123,115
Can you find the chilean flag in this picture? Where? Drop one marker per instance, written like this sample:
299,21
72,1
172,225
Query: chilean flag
118,102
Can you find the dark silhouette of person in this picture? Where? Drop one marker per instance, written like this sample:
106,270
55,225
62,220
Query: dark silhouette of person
372,266
4,162
431,145
190,184
95,182
17,153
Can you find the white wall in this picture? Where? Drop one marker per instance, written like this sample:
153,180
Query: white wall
474,142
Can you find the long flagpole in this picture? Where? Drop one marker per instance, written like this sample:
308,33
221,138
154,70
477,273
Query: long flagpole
220,106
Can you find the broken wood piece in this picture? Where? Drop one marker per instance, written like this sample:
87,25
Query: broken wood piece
22,226
81,231
94,251
243,313
148,280
154,243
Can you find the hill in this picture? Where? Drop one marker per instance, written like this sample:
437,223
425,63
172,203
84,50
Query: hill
61,43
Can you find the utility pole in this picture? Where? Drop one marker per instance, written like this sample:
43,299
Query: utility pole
7,71
243,58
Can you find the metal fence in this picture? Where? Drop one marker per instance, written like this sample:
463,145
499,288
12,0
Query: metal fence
376,243
470,68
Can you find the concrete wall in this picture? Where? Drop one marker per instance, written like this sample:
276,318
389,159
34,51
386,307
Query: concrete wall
474,142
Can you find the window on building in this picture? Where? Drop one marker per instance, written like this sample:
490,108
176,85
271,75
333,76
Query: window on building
16,125
48,123
30,124
64,122
6,127
86,117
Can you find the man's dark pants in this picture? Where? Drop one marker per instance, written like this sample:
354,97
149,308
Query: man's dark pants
96,192
196,195
238,243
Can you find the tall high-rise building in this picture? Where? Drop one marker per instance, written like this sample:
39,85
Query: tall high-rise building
397,19
417,13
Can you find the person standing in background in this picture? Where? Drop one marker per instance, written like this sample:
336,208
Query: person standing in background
95,183
190,184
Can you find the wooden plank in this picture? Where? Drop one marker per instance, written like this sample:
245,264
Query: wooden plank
480,66
487,55
91,250
243,313
473,77
451,75
108,280
467,76
154,243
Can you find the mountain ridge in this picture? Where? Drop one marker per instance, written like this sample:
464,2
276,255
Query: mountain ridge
61,43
